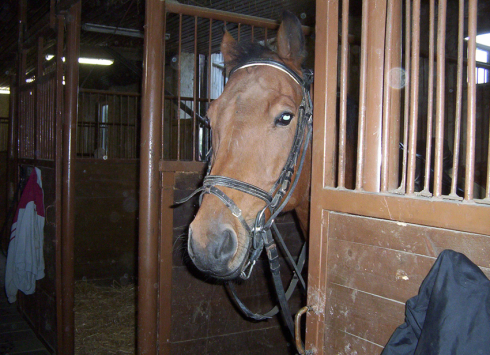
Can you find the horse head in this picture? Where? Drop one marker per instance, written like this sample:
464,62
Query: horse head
254,124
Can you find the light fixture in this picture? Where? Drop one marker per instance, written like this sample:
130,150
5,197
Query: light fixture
4,90
129,32
93,27
84,60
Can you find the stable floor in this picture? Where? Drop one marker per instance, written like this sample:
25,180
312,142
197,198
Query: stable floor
16,337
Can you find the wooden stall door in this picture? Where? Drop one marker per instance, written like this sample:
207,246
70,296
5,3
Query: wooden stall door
371,246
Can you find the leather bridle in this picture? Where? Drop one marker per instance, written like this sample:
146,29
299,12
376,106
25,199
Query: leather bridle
275,200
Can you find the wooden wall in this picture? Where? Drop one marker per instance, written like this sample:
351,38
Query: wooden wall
375,266
203,319
106,219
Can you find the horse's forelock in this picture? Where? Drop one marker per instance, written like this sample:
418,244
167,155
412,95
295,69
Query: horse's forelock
246,51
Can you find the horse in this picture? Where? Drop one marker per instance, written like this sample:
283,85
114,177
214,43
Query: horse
256,125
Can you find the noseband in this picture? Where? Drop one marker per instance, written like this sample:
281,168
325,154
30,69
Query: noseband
275,199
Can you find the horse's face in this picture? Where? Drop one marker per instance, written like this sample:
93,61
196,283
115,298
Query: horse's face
253,124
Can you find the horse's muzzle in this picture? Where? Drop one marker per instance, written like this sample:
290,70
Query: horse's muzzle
214,253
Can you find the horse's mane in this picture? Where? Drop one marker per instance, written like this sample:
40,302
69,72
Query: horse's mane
246,51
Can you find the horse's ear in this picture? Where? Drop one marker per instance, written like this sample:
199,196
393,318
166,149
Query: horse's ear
291,40
228,49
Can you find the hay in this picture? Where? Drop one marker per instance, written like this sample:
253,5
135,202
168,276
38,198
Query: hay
104,319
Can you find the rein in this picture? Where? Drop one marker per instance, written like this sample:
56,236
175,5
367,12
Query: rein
276,199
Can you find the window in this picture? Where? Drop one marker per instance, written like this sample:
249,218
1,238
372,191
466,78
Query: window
481,73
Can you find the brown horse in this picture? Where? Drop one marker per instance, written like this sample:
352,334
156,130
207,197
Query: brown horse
254,124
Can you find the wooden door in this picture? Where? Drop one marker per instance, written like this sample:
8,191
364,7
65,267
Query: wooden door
373,244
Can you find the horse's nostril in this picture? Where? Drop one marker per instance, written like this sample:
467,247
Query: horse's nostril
224,246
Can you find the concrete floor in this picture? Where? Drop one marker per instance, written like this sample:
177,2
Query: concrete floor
16,337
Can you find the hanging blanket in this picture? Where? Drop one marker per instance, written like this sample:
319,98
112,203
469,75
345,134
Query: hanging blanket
25,261
450,315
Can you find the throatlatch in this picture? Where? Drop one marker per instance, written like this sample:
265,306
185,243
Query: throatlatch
276,199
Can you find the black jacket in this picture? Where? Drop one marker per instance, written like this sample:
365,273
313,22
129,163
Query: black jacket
450,315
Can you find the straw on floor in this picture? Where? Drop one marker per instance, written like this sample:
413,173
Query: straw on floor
104,319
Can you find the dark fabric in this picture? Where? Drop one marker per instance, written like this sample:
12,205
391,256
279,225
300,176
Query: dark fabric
451,313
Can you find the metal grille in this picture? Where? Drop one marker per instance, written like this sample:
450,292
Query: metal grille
194,74
26,121
108,125
423,122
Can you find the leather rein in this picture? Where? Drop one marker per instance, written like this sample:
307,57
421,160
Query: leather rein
276,199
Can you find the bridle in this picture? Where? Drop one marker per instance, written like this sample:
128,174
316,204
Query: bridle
275,199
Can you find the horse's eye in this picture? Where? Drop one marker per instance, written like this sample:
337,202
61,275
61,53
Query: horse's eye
284,119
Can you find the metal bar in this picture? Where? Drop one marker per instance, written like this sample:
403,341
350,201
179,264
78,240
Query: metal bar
176,8
430,103
362,98
196,93
414,93
397,83
179,78
441,68
487,192
68,196
459,102
58,158
374,96
471,116
165,267
344,51
38,113
166,238
403,183
151,110
386,128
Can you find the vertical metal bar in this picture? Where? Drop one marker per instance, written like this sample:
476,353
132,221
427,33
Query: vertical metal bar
38,114
69,155
179,87
209,60
59,179
196,78
397,83
403,183
441,68
166,239
151,110
121,130
127,145
344,51
362,98
239,28
386,127
253,34
471,116
414,93
374,96
430,102
459,102
487,192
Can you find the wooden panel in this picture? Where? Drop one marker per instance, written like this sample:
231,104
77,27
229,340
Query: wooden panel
342,343
410,238
374,267
362,314
387,273
106,219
